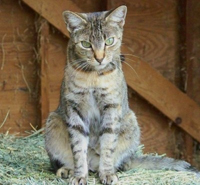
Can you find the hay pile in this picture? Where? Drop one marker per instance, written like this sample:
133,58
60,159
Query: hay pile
24,161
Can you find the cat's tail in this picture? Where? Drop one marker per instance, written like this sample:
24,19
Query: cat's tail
151,162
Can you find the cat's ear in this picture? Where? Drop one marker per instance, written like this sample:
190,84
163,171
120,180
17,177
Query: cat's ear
117,15
73,20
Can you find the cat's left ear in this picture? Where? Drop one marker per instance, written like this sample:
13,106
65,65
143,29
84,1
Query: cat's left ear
117,15
74,20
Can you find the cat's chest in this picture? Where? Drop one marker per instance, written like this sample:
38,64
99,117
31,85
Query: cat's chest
91,93
93,108
94,115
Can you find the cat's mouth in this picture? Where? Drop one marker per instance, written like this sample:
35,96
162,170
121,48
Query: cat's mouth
97,65
101,65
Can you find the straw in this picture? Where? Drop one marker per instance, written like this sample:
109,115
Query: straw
24,161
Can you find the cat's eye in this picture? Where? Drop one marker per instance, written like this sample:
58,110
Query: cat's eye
109,41
85,44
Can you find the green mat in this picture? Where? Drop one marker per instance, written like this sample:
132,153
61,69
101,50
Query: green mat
24,161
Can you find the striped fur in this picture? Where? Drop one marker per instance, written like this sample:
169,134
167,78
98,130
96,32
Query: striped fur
93,127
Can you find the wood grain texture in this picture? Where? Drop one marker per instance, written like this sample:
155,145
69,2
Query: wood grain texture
18,77
151,32
56,65
157,132
91,5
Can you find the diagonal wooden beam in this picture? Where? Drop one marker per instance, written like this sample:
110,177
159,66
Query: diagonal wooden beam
142,78
161,93
52,10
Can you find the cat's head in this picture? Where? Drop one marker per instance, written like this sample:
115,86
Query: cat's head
95,38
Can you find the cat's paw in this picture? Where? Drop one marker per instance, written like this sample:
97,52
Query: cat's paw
64,173
108,179
78,181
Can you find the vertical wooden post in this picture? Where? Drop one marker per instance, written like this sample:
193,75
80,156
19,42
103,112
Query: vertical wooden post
193,49
189,53
187,143
192,60
43,42
183,10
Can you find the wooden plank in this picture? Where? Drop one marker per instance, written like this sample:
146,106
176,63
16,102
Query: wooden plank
143,79
43,43
158,135
192,86
56,66
18,77
191,62
187,140
52,11
23,112
91,5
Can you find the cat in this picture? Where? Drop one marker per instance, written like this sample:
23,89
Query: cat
93,127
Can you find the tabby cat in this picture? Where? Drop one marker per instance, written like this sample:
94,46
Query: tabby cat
93,127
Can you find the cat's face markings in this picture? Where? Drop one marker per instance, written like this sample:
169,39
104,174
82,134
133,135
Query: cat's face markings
98,51
97,36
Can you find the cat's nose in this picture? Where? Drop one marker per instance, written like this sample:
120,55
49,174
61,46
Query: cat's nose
99,60
99,55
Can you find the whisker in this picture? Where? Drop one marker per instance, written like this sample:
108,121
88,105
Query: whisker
81,67
131,68
129,59
77,69
128,54
76,61
86,67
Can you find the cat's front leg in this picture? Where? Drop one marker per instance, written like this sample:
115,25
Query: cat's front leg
108,142
78,134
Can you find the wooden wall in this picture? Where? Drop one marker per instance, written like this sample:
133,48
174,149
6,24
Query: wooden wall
18,67
152,32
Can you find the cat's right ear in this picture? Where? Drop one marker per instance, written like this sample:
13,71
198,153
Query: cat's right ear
117,15
73,21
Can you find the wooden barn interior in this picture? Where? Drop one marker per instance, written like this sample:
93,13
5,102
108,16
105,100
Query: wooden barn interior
161,47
